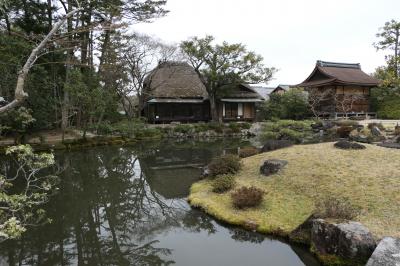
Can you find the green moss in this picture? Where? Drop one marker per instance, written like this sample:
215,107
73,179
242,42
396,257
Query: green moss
333,260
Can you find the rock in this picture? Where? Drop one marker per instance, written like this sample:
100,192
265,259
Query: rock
390,145
375,131
272,166
397,130
255,128
348,145
386,253
302,234
348,240
272,145
363,135
205,172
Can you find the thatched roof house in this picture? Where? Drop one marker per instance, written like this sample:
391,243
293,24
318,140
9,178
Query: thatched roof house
174,92
339,89
175,81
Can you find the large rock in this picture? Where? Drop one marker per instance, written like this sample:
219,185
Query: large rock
272,145
386,253
272,166
348,145
363,135
348,240
376,131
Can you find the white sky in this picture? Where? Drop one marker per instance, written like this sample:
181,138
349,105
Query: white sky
290,34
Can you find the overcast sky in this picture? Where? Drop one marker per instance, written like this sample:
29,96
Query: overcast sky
290,34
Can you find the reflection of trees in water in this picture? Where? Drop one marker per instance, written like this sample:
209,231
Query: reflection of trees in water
242,235
106,213
101,206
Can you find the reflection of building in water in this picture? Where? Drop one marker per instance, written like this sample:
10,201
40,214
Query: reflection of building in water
171,171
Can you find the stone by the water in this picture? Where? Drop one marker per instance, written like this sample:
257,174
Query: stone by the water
272,166
386,253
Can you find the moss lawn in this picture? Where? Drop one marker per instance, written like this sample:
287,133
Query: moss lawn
370,178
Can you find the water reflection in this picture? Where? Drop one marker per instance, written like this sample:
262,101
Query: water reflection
126,206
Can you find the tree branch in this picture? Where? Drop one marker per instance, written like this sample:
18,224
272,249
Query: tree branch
20,94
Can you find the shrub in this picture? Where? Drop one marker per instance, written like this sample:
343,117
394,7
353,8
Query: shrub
296,125
223,183
336,208
268,135
223,165
286,129
346,123
290,105
143,133
245,125
246,197
201,127
290,134
235,127
344,131
105,128
247,152
183,129
385,101
217,127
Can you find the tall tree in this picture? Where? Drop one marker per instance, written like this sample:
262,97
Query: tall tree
219,65
390,39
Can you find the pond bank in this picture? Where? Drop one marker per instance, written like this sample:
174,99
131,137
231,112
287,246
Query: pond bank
368,178
73,139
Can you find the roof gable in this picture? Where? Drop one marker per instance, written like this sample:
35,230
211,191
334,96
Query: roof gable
338,73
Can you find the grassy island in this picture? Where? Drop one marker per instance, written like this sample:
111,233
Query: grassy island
369,178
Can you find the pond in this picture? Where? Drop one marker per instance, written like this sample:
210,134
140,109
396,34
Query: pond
127,206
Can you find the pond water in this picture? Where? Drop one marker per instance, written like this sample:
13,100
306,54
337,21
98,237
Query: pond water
126,206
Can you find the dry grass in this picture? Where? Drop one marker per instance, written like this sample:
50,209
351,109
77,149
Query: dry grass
370,178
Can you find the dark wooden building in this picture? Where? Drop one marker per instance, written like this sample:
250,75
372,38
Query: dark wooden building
339,89
174,92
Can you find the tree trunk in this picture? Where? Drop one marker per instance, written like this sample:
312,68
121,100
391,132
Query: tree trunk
396,54
213,108
64,112
70,54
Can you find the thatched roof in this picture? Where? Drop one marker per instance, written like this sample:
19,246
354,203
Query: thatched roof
174,80
330,73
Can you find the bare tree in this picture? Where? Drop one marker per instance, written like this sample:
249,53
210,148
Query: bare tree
345,102
141,54
317,98
19,94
